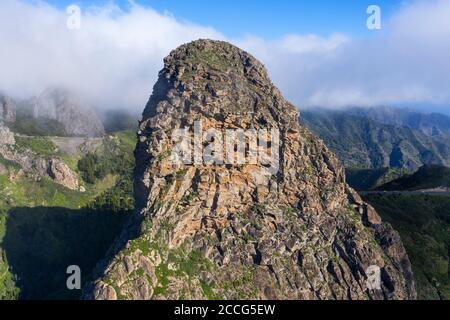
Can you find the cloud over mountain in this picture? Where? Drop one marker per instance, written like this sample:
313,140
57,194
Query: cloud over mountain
112,60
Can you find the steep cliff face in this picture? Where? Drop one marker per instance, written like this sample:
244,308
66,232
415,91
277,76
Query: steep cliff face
286,229
7,109
77,118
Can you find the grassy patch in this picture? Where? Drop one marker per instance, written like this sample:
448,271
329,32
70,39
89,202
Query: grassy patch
41,146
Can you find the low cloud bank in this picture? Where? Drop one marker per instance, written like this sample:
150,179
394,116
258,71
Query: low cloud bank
113,59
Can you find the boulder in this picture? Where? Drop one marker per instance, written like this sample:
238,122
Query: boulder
62,174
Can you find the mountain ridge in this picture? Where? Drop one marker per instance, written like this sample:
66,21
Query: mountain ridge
428,177
361,142
429,123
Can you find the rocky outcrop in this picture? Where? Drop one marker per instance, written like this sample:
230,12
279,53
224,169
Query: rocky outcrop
7,109
65,107
32,164
62,174
38,167
247,229
6,136
28,161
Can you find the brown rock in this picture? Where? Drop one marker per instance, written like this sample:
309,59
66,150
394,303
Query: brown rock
370,215
62,174
240,230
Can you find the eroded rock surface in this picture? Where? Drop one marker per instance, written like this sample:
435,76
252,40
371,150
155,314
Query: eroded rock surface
238,231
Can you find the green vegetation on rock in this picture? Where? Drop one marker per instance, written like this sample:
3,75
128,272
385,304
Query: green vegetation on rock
368,179
41,146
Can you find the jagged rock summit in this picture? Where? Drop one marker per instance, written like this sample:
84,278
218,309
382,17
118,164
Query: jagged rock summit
243,230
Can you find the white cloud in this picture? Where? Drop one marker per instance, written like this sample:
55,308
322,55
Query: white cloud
116,55
405,63
113,59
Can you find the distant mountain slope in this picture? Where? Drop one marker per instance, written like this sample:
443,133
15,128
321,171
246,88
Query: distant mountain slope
60,112
429,123
361,142
427,177
26,124
368,179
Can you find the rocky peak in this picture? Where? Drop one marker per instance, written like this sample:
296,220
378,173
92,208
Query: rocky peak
220,80
242,230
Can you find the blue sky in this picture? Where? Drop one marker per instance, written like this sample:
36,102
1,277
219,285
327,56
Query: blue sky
266,18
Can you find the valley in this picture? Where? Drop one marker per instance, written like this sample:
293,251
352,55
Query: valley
46,223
